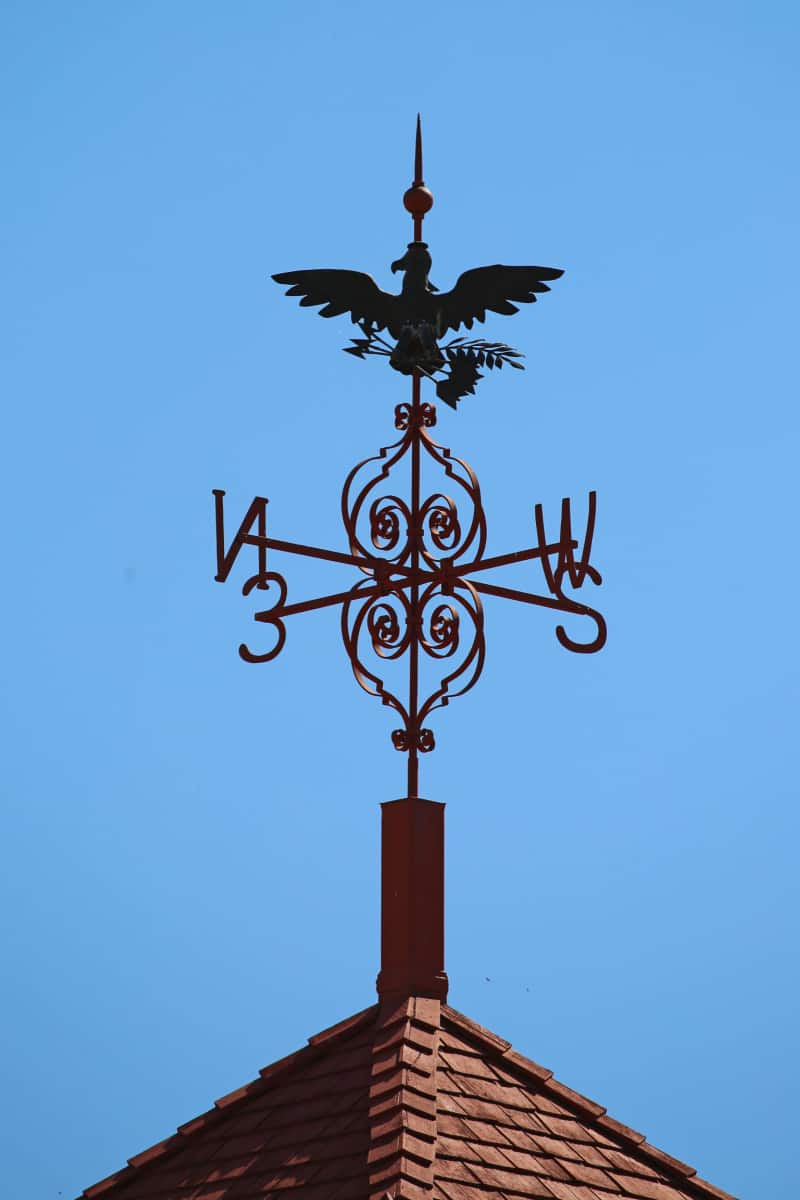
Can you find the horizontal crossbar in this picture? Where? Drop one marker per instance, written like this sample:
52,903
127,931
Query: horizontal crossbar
421,579
469,568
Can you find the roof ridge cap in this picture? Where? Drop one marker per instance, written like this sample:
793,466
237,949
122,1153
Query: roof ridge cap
472,1027
403,1128
348,1025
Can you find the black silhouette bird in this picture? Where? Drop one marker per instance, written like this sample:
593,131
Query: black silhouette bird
420,315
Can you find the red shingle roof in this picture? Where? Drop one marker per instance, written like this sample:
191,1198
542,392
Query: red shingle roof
414,1100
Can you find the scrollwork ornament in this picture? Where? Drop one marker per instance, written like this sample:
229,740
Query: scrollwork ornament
407,416
402,416
375,618
414,597
385,516
440,514
405,740
443,625
382,514
383,625
445,637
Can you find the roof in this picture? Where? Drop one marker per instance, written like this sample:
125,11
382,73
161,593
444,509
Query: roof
412,1100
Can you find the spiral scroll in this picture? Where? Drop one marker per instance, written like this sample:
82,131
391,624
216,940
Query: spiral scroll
383,523
412,614
445,627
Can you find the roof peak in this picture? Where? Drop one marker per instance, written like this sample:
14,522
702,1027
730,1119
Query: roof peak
410,1098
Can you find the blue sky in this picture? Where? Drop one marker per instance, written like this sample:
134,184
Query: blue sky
190,845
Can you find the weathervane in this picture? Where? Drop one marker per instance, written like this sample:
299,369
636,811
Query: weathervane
417,599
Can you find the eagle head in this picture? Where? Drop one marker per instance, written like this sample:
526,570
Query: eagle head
416,262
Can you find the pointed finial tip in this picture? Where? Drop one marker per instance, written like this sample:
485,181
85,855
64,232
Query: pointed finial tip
418,200
418,153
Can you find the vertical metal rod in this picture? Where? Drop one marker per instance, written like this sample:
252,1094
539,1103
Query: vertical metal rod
413,670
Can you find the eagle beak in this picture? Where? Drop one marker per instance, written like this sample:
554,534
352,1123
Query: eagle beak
399,264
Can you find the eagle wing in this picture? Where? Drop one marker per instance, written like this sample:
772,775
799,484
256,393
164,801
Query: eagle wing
490,288
352,292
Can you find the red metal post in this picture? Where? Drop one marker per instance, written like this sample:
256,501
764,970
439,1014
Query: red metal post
415,616
412,900
418,201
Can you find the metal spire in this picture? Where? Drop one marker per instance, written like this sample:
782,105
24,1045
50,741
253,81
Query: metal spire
421,557
418,200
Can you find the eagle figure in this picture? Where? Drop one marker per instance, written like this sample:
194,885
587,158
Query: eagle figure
420,316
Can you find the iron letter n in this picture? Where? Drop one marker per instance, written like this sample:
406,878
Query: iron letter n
255,515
